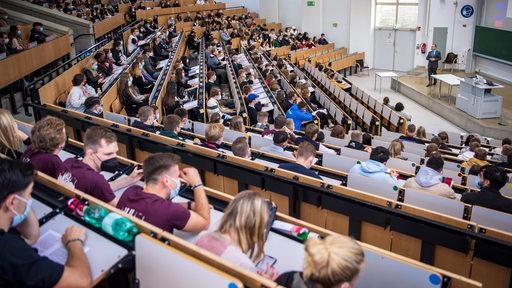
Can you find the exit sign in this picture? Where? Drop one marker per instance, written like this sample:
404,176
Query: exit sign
311,3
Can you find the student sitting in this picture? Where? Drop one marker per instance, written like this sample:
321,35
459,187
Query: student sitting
240,147
356,141
153,202
491,180
172,126
262,120
93,107
129,97
320,139
305,158
214,135
430,179
376,167
48,139
311,132
100,150
20,264
298,114
280,142
147,120
335,261
10,137
77,95
240,237
37,34
479,158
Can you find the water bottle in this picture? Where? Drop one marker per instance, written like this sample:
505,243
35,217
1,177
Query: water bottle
119,227
94,214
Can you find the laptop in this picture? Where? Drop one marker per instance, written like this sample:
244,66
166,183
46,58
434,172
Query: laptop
32,45
3,56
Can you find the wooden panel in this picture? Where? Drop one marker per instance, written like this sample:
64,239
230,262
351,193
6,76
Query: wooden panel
312,214
336,222
453,261
405,245
281,201
21,64
141,155
122,150
108,25
213,181
230,186
490,274
376,235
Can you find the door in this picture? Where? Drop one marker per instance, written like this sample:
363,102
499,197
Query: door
394,50
404,50
439,37
384,49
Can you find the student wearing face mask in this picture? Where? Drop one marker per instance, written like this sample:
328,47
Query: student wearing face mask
77,95
93,107
490,180
15,44
149,63
100,151
214,106
117,53
147,120
133,41
37,33
4,43
131,99
94,79
154,203
20,264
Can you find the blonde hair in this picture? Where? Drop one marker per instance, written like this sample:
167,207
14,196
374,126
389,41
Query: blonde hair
48,134
395,148
91,62
214,132
421,133
237,124
8,139
246,217
332,261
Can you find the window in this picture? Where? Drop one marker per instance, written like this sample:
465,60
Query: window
402,13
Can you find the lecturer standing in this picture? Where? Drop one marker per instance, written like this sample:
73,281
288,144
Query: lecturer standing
433,58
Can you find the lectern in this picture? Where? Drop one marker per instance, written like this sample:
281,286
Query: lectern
475,98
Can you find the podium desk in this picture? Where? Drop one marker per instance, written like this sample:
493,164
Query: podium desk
450,80
475,99
100,251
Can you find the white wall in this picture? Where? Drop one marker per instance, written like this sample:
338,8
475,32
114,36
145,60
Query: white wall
269,10
336,11
361,28
311,17
252,5
445,14
290,13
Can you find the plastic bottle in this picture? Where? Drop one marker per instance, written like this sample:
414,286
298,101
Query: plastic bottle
298,231
119,227
94,214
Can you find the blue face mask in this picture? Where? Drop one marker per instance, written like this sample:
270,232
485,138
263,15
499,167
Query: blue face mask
175,191
18,218
477,181
19,33
137,33
94,67
41,29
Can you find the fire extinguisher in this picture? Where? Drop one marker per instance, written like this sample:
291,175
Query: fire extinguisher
423,48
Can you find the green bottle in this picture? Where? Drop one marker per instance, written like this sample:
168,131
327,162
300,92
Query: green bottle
119,227
94,214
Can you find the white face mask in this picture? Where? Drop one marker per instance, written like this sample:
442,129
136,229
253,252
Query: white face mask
6,40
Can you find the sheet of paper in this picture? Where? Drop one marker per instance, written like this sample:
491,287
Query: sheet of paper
50,245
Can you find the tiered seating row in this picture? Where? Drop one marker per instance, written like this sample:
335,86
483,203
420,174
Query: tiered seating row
365,216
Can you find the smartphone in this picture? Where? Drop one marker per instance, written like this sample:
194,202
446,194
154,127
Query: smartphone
448,181
262,264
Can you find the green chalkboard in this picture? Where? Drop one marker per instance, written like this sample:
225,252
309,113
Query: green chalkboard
494,43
